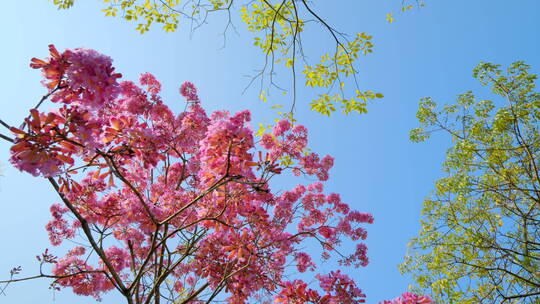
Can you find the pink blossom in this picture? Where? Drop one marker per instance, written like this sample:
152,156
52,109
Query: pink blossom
80,277
340,289
90,78
118,257
188,90
59,228
76,251
148,80
303,261
409,298
315,187
281,127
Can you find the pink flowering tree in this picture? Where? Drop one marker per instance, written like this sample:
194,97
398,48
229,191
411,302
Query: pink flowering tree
178,208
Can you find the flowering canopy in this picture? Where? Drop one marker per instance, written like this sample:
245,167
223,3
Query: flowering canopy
179,207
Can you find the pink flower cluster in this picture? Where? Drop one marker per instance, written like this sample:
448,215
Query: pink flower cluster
340,289
153,86
81,277
337,287
138,173
188,90
290,141
409,298
90,79
58,228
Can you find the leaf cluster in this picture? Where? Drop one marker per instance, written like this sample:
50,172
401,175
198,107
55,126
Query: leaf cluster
480,236
276,26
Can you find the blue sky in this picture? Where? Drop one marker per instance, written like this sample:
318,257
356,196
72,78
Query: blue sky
426,52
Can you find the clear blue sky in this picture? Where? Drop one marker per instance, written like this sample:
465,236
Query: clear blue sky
427,52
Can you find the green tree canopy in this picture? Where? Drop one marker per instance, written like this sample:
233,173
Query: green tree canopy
480,237
277,27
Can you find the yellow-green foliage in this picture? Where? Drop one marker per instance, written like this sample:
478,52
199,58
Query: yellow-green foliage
276,26
63,3
145,13
480,236
406,5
